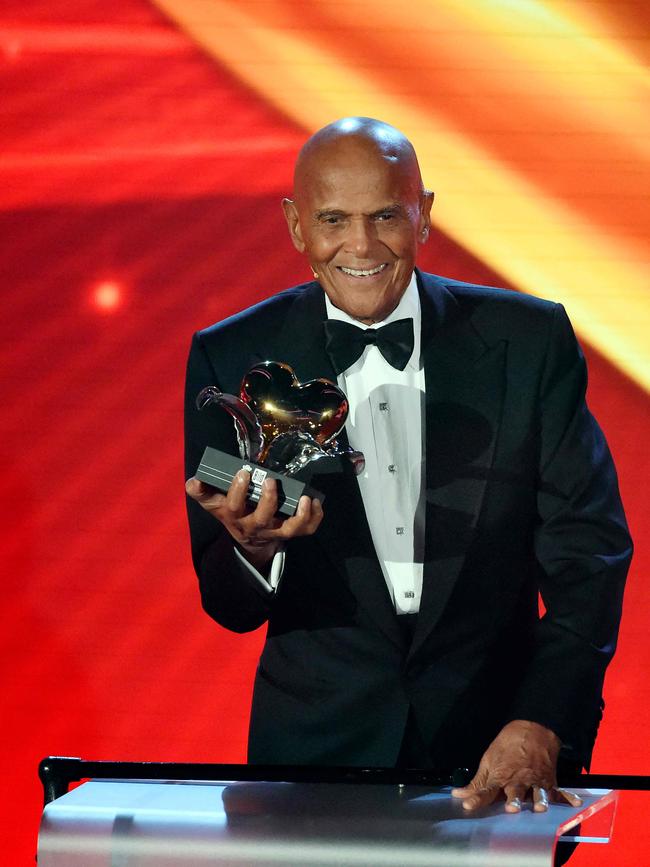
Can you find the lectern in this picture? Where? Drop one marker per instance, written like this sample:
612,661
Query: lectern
352,823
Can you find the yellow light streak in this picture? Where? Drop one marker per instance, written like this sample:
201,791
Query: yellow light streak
584,88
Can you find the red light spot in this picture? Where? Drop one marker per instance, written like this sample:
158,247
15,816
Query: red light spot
12,49
107,295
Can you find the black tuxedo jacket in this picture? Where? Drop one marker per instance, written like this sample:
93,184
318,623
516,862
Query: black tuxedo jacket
521,499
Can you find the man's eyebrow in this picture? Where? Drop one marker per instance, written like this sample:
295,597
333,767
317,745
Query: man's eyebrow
330,212
393,208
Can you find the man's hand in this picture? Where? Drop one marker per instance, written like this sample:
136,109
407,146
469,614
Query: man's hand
258,532
522,759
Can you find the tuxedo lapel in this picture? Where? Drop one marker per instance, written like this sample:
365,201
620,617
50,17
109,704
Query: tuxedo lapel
301,339
344,534
464,389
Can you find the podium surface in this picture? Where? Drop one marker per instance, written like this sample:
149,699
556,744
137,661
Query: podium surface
138,822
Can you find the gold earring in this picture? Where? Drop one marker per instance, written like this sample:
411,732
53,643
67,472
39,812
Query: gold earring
315,273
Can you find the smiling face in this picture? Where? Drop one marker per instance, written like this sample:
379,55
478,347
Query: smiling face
358,215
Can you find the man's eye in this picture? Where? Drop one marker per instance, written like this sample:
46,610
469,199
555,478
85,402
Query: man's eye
385,216
332,221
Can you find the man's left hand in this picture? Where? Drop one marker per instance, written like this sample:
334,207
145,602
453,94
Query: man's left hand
520,762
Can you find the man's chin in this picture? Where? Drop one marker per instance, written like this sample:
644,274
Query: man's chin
364,305
367,314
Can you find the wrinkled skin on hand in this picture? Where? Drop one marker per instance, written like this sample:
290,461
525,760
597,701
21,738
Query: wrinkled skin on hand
520,762
258,532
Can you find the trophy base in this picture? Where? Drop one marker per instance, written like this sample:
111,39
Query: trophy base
219,468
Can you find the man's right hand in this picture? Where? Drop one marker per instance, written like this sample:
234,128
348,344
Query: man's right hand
259,532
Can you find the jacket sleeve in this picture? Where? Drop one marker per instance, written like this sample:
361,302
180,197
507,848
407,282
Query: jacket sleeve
583,549
230,592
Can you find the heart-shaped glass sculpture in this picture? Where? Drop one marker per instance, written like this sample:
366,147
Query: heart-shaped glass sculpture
282,404
285,429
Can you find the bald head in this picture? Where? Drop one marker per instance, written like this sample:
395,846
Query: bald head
359,212
356,140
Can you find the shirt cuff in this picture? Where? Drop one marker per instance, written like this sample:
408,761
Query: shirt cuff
271,583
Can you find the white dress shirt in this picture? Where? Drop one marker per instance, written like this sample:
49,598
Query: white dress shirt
385,422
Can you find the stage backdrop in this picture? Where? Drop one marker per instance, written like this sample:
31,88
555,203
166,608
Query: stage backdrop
145,149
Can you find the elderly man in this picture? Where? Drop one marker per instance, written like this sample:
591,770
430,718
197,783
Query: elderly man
403,624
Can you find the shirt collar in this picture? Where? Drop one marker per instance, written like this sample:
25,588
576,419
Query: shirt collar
408,308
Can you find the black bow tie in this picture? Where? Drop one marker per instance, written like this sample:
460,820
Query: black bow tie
345,343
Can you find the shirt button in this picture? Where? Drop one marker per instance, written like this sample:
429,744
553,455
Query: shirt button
399,531
392,468
383,406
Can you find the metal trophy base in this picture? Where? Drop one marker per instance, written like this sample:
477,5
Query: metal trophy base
219,468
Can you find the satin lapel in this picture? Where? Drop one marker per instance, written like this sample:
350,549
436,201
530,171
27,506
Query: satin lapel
300,337
344,533
464,391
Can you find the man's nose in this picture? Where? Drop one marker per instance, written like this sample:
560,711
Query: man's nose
360,237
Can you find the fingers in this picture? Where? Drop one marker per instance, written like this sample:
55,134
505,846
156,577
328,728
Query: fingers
261,526
540,799
237,495
486,787
520,763
463,792
541,796
204,494
193,488
564,796
252,528
476,797
265,525
308,516
234,503
221,505
480,797
515,796
477,793
263,516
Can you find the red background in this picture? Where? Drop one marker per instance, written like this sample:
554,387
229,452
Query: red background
131,159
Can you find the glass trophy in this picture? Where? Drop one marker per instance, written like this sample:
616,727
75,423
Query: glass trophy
285,430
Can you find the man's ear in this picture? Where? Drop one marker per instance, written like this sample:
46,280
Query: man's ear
425,216
293,222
